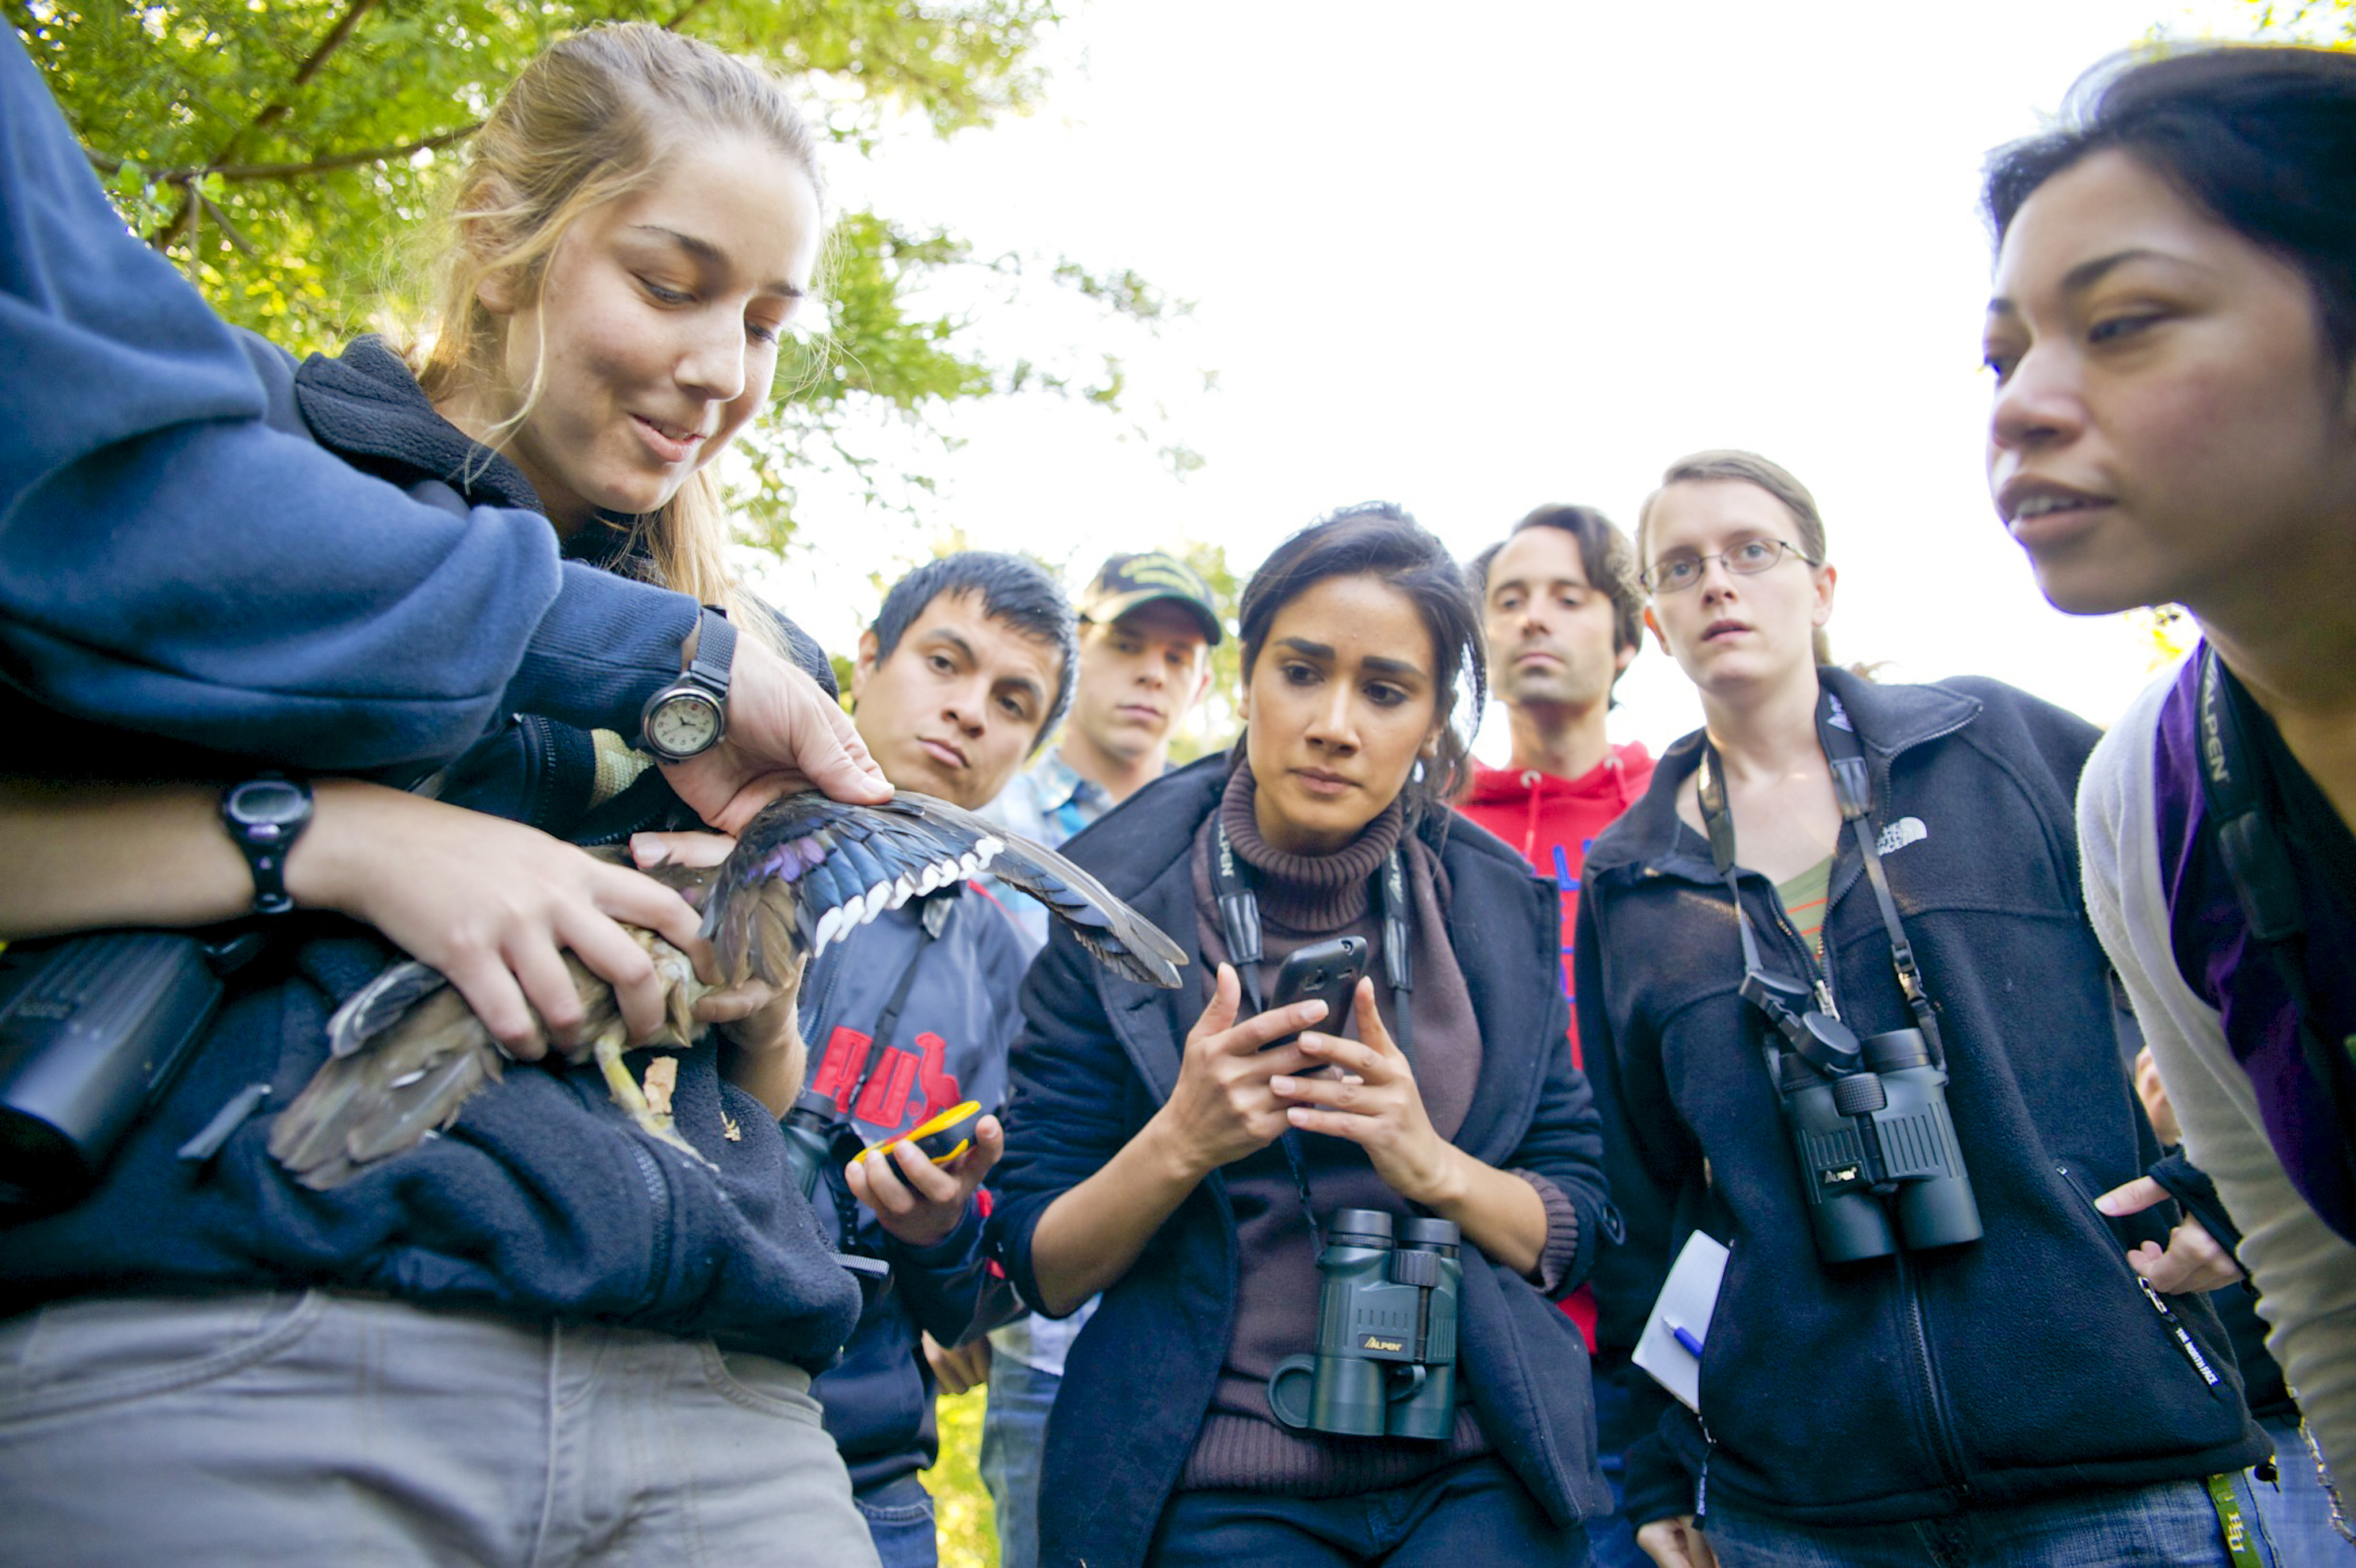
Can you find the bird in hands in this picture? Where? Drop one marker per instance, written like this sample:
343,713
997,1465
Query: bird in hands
406,1053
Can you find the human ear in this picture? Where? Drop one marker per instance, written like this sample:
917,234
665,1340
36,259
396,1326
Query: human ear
496,289
1623,656
497,292
1826,577
1652,624
864,665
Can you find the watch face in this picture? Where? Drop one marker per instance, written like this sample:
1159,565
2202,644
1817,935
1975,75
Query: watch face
683,724
270,801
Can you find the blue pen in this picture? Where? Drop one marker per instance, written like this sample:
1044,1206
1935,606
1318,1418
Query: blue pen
1684,1337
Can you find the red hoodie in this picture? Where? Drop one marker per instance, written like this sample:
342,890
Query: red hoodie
1552,820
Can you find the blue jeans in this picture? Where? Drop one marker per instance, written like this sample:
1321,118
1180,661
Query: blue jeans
1476,1512
1612,1540
2171,1525
1013,1441
899,1517
2298,1514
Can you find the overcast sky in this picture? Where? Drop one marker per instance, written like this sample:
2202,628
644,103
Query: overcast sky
1479,257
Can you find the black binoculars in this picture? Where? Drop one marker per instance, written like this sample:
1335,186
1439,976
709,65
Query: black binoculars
1877,1149
812,1128
92,1031
1386,1358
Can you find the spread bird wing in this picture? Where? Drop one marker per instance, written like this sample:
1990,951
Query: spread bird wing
405,1053
809,870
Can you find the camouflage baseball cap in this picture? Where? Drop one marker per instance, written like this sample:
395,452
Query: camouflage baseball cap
1128,581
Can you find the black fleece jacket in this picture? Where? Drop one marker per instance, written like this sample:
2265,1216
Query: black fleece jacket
2025,1365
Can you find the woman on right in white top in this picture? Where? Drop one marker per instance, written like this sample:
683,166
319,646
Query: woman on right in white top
2172,331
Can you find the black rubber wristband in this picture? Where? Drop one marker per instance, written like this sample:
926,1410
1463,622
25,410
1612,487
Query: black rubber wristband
264,816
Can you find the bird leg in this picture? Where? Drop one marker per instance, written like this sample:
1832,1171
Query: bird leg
608,1047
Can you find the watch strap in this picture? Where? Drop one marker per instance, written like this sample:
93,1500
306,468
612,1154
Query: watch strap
715,651
265,844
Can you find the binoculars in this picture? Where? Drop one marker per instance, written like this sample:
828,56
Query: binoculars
1880,1132
810,1128
92,1031
1386,1358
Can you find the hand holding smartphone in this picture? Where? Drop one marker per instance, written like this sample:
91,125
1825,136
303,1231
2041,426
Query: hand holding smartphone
1326,972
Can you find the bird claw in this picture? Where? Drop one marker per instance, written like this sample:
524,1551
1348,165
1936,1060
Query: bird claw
662,1130
655,1125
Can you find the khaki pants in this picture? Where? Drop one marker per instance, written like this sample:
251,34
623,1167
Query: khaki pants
337,1430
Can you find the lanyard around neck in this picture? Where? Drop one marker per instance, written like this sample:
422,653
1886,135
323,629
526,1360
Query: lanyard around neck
1240,926
1853,786
2258,864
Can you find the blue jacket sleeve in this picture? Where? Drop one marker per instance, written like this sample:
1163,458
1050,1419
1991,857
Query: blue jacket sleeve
1645,1156
952,1292
1075,1103
1565,1145
170,563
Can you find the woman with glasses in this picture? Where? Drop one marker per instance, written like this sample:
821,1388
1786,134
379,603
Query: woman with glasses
1927,1344
2173,334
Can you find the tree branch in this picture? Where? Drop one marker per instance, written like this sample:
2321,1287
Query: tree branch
277,109
332,161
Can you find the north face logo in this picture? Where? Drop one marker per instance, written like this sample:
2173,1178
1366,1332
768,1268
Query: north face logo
1900,833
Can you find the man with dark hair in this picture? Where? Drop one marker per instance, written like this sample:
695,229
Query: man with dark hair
1563,612
1147,626
968,666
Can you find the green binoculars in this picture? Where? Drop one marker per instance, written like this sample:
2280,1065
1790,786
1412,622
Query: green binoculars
1386,1359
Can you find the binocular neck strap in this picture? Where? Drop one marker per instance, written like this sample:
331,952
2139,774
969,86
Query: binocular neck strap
1853,784
1239,928
1853,789
1710,789
1394,904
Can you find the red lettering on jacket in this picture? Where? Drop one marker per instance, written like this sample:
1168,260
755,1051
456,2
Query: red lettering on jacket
939,1085
885,1103
846,1048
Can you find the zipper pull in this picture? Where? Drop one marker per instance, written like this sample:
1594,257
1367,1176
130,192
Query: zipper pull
1825,1003
2183,1340
1701,1485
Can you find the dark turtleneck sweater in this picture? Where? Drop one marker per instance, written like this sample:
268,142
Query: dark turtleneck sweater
1305,899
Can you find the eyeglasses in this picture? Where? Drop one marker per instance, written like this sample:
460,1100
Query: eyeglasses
1747,559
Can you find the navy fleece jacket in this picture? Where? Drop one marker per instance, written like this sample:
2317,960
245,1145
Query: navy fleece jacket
171,564
2026,1365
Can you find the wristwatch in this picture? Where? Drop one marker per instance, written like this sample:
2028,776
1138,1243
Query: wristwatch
264,816
688,717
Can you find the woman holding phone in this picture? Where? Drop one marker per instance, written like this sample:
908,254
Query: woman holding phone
1185,1160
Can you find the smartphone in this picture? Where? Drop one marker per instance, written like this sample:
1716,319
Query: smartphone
1326,972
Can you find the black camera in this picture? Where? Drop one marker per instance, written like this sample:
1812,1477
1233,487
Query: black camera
92,1030
1386,1358
1869,1119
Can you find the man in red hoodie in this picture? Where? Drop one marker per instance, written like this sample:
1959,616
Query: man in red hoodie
1563,611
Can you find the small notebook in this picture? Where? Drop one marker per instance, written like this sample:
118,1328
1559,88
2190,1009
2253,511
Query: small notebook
1671,1347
